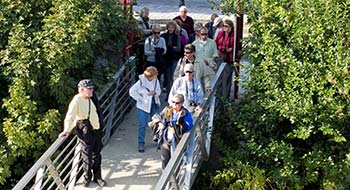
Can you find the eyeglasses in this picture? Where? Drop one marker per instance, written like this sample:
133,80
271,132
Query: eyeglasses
226,26
204,34
187,52
176,102
156,32
188,72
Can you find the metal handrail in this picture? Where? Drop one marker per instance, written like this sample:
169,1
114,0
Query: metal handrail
174,175
46,173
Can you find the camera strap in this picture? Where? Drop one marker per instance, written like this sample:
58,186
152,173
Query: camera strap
193,90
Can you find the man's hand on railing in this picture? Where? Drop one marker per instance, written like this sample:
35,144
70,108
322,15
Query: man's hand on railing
64,134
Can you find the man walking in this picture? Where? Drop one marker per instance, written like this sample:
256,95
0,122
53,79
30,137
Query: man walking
84,113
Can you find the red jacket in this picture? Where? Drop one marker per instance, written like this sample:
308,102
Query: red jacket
224,41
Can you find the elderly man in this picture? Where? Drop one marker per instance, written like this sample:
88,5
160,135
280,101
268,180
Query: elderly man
190,88
84,113
187,21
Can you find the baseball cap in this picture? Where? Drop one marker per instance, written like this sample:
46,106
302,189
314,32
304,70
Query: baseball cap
87,83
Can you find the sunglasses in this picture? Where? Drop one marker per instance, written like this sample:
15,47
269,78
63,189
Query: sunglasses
156,32
204,34
188,72
176,102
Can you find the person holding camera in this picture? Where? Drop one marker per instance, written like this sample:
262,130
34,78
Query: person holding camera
155,48
225,41
190,88
146,92
84,114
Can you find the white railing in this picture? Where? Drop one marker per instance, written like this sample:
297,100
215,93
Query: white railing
184,165
60,166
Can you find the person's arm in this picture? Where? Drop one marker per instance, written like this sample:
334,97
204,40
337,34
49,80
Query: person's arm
148,49
188,121
69,120
134,93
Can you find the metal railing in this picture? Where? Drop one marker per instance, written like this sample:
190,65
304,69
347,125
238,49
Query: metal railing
60,166
183,167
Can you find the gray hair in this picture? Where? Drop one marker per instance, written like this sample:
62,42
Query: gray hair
144,10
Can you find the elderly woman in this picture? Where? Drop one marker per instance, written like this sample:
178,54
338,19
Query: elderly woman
225,41
146,92
154,49
173,46
143,22
177,120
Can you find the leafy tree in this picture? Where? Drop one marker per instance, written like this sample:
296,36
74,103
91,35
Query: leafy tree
294,120
46,47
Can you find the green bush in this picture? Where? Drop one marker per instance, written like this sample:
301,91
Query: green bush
46,47
293,123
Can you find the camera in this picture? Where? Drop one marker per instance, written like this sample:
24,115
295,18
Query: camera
193,104
222,50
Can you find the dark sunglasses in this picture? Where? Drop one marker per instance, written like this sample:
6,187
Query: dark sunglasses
204,34
188,72
176,102
156,32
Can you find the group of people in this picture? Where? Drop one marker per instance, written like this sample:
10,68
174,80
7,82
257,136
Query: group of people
185,54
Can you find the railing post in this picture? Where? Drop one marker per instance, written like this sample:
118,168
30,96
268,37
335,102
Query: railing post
54,174
75,166
39,178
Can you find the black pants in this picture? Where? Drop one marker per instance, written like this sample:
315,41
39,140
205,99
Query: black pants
165,153
91,153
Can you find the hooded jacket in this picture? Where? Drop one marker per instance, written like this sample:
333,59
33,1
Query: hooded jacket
139,92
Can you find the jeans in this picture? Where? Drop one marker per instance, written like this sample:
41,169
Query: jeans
142,117
169,75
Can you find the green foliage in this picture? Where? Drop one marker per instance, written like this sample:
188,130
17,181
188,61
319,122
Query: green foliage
293,122
46,47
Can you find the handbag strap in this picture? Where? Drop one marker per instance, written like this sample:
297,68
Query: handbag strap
89,109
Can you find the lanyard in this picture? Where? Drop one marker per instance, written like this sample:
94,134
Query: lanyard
193,90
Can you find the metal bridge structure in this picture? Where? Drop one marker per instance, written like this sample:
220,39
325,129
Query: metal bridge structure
60,166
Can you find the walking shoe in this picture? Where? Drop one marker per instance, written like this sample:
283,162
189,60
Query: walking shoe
141,148
100,182
86,182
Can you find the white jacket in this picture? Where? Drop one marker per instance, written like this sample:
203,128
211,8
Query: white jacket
139,92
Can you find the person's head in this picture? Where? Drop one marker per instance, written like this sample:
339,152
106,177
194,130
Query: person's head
189,50
171,26
86,88
151,73
197,26
189,69
217,22
156,32
228,25
144,12
204,33
177,101
213,16
178,22
183,11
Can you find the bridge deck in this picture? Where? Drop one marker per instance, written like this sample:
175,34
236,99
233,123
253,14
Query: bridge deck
123,167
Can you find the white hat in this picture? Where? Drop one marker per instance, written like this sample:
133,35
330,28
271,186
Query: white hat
217,21
189,67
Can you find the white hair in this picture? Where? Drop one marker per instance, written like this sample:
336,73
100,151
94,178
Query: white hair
183,7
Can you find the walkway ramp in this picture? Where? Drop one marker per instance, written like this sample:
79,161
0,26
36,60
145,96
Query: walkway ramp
123,167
